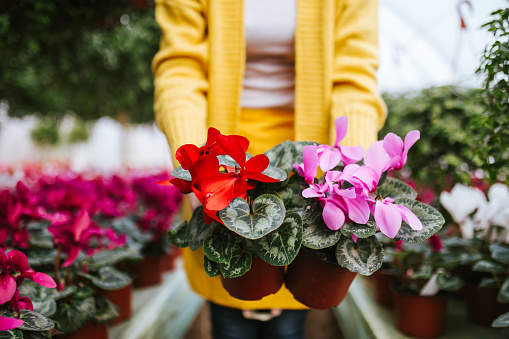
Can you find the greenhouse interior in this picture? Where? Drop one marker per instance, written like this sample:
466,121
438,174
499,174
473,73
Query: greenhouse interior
145,194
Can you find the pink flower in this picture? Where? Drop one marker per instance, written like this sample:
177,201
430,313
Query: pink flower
397,150
18,303
7,281
389,216
9,323
309,167
18,265
436,243
73,236
330,156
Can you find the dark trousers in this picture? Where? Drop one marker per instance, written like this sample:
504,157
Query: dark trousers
228,323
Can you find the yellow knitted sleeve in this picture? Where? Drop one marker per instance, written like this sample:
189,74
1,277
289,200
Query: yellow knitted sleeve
355,91
180,72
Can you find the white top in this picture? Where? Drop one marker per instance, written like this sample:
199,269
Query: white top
269,78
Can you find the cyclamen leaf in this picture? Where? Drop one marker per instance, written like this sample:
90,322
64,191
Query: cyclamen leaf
432,221
238,265
85,292
317,235
108,278
47,308
181,173
111,257
396,189
11,334
197,229
501,321
500,253
178,235
449,284
34,321
268,214
275,173
299,146
219,247
105,310
283,155
365,256
360,231
488,282
75,315
503,294
211,268
295,202
489,267
281,246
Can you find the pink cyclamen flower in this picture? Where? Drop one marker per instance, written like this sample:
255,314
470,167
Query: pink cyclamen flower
18,303
9,323
309,167
436,243
18,264
389,216
7,281
330,156
73,236
397,149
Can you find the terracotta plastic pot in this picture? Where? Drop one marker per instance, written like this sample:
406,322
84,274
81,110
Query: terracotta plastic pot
316,283
422,317
170,258
261,280
382,280
90,330
148,271
482,305
122,298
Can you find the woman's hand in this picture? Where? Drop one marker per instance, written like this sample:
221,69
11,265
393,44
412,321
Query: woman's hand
260,315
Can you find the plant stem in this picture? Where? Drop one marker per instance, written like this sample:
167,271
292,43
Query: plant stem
57,265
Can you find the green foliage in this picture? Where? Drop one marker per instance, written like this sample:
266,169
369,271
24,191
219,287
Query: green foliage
445,152
79,132
89,57
45,133
490,132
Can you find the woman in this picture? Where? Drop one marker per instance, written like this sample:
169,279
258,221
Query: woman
270,70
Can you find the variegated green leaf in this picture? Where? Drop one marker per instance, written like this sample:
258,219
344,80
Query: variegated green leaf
238,265
178,235
501,321
299,146
295,202
500,253
228,160
219,247
283,155
34,321
74,315
488,267
111,257
503,294
281,246
47,307
365,256
449,283
488,283
317,235
423,272
108,278
197,229
85,292
268,212
396,189
276,173
181,173
432,221
105,310
359,230
212,268
11,334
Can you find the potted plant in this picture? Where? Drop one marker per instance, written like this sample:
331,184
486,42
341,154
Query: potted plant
421,292
272,208
483,225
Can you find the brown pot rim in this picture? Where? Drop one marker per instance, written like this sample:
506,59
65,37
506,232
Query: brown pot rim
311,253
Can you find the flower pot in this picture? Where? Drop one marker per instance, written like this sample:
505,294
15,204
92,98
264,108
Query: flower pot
90,330
170,258
422,317
261,280
482,305
316,283
148,271
122,298
382,280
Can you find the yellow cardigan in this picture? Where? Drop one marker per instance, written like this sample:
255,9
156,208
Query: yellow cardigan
198,74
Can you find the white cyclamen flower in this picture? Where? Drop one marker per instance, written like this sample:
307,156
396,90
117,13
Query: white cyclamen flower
462,201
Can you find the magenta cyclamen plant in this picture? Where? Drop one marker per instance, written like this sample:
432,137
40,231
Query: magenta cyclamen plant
14,270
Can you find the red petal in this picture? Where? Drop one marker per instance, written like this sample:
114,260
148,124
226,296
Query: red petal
233,148
257,163
240,188
187,154
218,191
205,167
211,137
182,185
257,176
242,141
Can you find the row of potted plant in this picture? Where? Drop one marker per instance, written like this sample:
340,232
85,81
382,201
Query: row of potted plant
470,258
264,212
89,233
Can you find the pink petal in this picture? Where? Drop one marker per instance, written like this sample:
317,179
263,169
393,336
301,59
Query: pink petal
41,279
9,323
368,177
341,128
393,144
3,257
410,218
329,158
81,225
358,210
351,154
387,218
17,260
7,287
377,158
310,160
311,192
71,256
354,238
410,139
333,216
